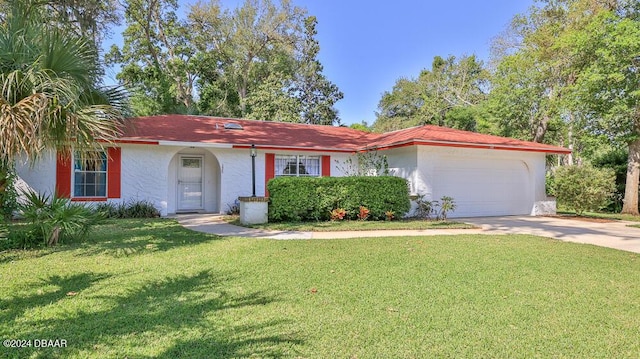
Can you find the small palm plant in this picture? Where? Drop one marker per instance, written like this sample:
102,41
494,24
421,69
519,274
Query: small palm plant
447,204
53,217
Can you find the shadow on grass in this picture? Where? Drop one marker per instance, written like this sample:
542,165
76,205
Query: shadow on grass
52,290
184,311
122,237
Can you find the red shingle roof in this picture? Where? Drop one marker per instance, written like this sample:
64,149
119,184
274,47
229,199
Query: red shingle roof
443,136
211,130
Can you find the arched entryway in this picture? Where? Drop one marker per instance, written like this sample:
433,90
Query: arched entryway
194,182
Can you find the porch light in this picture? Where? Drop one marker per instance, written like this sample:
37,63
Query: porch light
253,152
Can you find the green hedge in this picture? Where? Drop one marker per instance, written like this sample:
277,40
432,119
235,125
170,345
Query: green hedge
313,198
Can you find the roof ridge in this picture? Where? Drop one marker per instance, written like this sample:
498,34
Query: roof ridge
254,120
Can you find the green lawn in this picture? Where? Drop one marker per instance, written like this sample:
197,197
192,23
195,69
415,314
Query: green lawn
142,289
327,226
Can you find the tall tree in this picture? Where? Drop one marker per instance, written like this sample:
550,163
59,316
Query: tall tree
49,98
607,53
91,20
157,58
446,95
247,45
316,93
533,72
274,100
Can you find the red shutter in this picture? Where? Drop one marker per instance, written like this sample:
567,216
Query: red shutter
326,166
270,170
63,175
114,159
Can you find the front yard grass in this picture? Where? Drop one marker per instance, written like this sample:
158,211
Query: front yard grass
149,288
329,226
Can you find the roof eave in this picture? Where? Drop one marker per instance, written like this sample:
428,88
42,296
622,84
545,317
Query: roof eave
413,142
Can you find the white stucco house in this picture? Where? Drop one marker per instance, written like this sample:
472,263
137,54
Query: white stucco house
197,163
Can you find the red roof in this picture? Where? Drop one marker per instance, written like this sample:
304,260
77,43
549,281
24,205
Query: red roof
443,136
283,135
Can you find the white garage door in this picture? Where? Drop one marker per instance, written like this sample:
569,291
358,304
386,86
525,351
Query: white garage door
484,187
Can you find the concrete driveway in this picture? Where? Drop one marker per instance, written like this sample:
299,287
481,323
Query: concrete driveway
615,234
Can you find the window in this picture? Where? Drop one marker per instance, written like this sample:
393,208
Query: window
90,175
297,166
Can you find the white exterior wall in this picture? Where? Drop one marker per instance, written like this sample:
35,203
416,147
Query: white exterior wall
144,174
149,172
482,182
41,177
235,181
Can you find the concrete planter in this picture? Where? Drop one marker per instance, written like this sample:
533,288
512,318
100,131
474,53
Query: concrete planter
544,208
254,210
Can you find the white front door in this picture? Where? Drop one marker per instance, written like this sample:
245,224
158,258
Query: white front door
190,188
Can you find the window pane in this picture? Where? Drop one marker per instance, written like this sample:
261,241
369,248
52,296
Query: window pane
311,165
297,165
191,163
286,166
90,175
101,190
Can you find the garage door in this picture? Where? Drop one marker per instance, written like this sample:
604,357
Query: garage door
484,187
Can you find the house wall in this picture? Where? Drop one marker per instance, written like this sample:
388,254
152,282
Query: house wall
144,174
149,172
39,176
482,182
235,172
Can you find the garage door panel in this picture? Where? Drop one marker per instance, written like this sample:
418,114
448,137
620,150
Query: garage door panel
483,187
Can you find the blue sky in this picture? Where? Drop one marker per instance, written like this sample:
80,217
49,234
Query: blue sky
367,45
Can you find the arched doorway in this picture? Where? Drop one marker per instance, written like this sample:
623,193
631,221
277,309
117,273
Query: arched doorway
194,182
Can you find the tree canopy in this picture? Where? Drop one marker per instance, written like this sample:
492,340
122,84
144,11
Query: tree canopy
259,60
445,95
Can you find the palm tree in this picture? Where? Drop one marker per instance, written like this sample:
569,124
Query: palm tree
49,98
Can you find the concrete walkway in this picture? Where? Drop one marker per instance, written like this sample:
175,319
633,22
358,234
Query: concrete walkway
614,234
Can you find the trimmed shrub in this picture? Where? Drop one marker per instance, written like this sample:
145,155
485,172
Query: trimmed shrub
313,198
584,188
134,209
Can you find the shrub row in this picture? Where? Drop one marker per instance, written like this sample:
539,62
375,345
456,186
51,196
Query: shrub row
133,209
313,198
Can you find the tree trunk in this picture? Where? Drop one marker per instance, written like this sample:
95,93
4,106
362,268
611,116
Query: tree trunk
541,129
630,201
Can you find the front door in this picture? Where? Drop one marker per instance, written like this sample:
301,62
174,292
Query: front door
190,189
